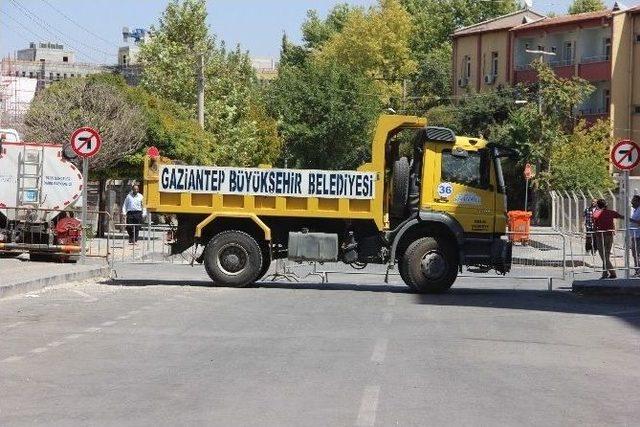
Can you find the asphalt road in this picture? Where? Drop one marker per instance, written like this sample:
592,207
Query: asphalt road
492,352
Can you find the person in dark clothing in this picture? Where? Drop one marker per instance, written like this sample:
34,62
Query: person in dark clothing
589,227
133,208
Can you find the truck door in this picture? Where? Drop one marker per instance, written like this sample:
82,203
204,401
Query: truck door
464,187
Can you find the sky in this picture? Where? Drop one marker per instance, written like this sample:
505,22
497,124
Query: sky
257,25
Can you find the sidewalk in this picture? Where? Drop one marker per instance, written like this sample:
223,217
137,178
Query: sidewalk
20,276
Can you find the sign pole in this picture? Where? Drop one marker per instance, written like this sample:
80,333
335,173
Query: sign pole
83,238
625,175
526,193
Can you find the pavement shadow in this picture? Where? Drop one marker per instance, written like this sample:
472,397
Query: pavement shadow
157,282
624,307
334,287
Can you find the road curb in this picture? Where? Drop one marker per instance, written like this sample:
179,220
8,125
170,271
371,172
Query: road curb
607,287
58,279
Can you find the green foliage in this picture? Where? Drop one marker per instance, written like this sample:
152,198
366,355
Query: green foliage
582,161
100,101
235,116
581,6
433,23
374,43
316,31
560,96
326,115
478,112
173,131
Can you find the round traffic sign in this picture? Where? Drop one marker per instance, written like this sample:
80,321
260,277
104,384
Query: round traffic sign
528,171
625,155
86,142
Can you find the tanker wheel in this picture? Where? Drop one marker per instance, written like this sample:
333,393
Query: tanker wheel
431,265
399,189
233,258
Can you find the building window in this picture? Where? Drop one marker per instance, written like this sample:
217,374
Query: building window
568,52
494,63
541,48
606,100
57,76
30,74
65,59
636,109
24,74
467,67
64,76
554,49
50,76
72,75
638,38
606,48
17,73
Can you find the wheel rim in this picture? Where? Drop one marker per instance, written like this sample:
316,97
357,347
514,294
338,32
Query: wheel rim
433,265
232,259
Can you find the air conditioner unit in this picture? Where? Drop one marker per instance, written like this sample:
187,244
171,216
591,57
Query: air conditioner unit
462,82
489,79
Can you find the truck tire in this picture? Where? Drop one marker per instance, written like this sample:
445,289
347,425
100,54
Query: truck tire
399,188
404,275
431,265
233,258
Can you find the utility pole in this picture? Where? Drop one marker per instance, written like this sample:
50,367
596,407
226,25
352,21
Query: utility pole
201,90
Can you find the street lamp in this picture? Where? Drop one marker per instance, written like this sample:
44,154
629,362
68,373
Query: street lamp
542,54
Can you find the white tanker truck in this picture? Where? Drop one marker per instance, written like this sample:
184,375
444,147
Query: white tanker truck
39,187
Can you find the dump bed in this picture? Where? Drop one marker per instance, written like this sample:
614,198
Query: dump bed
266,191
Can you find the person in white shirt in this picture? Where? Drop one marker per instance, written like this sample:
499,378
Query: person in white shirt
133,208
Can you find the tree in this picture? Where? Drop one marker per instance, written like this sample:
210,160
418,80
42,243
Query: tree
433,23
326,114
316,31
235,115
374,43
582,6
97,101
582,161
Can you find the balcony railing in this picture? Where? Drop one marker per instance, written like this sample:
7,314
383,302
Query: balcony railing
592,111
592,59
561,62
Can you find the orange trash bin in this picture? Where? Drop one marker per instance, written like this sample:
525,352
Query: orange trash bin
519,224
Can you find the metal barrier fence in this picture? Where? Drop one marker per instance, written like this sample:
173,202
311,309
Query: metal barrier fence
46,233
545,255
151,246
611,242
567,207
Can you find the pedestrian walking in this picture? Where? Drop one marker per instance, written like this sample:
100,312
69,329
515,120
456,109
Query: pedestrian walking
603,219
634,229
133,209
589,227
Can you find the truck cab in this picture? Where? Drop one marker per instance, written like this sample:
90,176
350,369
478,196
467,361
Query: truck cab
430,208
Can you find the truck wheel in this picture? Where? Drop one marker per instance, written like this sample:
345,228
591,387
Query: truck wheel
399,188
431,265
404,275
233,258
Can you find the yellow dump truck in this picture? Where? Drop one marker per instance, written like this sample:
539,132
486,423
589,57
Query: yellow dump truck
431,211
